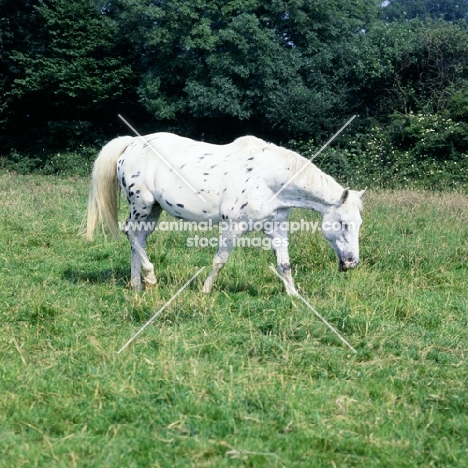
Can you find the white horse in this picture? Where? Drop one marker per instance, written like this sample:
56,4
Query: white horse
247,180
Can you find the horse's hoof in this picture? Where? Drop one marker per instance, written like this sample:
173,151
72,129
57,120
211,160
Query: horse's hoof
137,287
150,284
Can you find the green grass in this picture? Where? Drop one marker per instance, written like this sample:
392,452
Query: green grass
246,376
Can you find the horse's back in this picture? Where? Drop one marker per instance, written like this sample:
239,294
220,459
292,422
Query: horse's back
173,144
184,168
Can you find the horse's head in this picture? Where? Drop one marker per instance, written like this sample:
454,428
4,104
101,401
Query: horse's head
340,226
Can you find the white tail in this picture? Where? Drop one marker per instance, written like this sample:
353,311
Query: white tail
103,194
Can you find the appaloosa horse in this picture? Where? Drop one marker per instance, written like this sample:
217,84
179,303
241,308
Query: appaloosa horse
247,180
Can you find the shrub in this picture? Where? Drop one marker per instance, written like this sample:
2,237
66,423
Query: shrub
69,163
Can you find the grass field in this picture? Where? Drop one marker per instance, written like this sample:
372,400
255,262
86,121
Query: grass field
246,376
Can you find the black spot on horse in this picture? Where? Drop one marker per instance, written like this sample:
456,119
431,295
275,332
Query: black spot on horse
130,194
138,191
130,186
204,211
123,181
170,204
244,205
206,173
180,204
249,169
136,175
250,159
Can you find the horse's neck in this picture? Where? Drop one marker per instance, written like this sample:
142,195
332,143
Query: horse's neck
311,189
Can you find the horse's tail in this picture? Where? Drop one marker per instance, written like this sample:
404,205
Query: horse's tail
104,191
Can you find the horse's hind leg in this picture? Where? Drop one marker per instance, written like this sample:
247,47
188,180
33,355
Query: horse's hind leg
137,233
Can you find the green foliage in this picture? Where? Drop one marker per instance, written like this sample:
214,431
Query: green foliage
434,136
282,70
411,67
70,163
449,10
273,64
411,77
73,63
66,69
417,150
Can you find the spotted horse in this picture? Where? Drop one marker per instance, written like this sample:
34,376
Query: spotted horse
246,180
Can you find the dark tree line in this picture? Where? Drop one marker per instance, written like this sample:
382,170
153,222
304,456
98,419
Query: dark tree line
289,71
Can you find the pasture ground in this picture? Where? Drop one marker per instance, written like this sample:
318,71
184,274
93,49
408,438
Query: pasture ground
246,376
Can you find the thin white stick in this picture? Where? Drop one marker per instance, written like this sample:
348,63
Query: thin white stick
313,157
153,318
334,330
162,158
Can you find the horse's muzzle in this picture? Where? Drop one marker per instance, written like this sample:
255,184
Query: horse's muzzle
345,265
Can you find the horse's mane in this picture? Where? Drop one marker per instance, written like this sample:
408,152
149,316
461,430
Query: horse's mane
314,176
310,175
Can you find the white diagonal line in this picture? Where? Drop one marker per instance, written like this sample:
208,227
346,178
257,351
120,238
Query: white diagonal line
334,330
153,318
313,157
161,157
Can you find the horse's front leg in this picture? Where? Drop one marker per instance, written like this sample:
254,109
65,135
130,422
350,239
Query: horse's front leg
279,242
226,244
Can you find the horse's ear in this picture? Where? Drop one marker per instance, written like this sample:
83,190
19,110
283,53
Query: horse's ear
344,195
361,193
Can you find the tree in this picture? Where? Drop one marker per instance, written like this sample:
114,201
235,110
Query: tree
275,68
448,10
64,71
413,66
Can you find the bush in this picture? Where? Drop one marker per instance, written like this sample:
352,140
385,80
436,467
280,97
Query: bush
415,150
431,136
69,163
